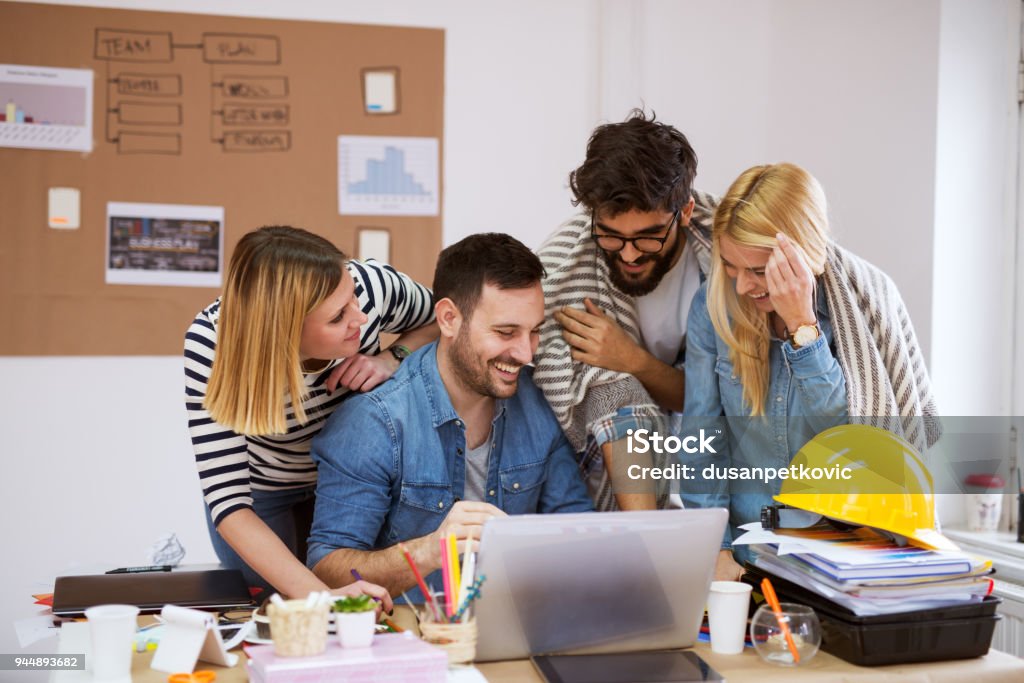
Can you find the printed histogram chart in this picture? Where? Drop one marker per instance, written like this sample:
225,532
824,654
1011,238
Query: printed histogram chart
45,108
387,176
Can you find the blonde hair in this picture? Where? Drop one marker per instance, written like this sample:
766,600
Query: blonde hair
277,276
763,201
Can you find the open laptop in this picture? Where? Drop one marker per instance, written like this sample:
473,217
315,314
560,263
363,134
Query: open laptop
595,582
203,589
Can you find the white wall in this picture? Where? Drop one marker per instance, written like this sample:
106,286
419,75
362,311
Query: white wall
845,89
848,88
98,458
975,231
976,228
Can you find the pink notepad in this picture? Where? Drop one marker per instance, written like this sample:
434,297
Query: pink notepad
392,657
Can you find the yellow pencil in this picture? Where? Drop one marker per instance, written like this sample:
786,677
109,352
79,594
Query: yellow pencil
453,570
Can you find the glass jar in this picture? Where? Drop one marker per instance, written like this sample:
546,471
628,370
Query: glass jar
770,640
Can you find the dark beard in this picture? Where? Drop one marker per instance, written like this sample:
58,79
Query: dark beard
461,360
663,262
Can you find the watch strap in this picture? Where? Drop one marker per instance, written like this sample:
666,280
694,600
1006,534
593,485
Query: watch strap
399,351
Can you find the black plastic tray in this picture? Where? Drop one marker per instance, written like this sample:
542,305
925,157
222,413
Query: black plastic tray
957,632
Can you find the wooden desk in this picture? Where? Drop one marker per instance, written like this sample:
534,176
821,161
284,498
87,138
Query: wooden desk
995,667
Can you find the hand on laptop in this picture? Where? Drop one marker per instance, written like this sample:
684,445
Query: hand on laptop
366,588
726,568
465,520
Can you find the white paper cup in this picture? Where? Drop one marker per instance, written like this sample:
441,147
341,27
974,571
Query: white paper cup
728,603
112,632
983,510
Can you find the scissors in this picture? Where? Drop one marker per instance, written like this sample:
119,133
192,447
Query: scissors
197,677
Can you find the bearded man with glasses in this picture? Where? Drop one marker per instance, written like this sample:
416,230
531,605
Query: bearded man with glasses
621,276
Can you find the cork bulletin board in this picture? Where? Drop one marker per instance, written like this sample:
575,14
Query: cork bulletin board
250,117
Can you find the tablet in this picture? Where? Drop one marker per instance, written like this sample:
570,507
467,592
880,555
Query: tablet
626,667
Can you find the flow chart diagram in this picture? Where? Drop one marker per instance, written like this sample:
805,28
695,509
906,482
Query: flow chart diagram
144,113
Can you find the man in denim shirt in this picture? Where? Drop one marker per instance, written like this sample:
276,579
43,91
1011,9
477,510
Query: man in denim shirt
460,433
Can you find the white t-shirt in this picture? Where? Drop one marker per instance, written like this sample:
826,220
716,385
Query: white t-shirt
662,313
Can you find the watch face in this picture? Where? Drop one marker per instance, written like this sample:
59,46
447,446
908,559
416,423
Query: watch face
805,335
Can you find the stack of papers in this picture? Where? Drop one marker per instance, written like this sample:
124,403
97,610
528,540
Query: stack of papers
866,572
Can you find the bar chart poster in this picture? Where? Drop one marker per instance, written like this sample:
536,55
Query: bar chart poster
388,176
46,108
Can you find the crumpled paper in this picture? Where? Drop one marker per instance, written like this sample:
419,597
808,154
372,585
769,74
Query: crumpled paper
167,550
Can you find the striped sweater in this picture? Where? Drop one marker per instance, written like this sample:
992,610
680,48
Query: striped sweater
887,383
583,395
232,465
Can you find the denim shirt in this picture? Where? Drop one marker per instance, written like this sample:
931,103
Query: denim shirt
391,462
806,395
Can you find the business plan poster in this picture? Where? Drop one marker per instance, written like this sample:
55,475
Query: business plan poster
164,244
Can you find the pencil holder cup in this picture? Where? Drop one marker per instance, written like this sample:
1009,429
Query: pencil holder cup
298,630
458,640
769,637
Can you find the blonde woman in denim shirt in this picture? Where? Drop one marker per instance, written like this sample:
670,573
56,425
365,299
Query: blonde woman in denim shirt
790,334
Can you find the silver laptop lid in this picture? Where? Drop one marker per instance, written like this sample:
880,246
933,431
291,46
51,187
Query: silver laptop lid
595,582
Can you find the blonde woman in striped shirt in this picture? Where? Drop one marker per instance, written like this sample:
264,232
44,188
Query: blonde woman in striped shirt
296,330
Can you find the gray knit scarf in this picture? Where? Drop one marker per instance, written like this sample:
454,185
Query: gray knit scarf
581,394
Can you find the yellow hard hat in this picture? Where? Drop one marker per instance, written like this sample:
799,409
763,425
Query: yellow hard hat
877,480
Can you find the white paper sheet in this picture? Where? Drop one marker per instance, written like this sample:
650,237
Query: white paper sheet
388,176
33,629
381,91
46,108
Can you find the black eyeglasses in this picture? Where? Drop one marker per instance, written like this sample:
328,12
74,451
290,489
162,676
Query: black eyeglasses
646,244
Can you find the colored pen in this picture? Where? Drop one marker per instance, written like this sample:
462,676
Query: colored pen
358,577
472,594
446,578
142,570
392,625
420,582
773,600
1020,507
415,611
453,569
468,570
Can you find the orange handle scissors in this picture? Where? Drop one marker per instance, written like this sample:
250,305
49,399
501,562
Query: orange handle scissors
196,677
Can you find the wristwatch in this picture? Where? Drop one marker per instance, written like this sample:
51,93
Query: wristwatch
804,335
399,352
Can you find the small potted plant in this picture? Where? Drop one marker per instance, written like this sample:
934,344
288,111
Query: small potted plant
356,619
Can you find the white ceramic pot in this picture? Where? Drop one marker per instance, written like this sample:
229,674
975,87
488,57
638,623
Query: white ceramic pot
355,629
